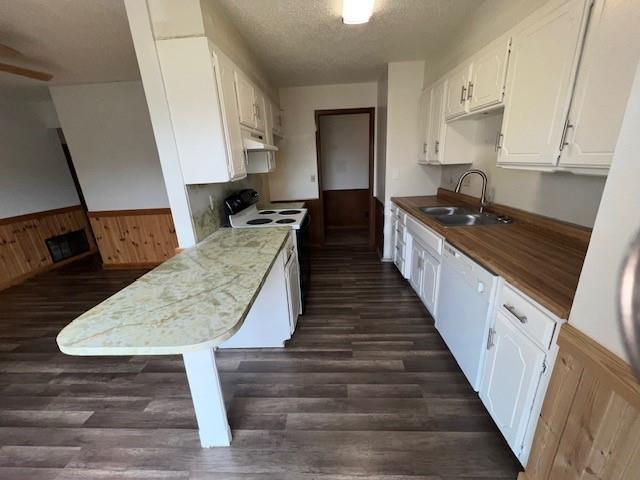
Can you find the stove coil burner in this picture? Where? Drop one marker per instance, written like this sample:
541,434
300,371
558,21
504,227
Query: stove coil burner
259,221
285,220
289,212
266,212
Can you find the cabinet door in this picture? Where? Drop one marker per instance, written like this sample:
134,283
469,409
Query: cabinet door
261,111
430,277
488,74
542,68
456,98
226,81
511,375
436,122
423,125
415,276
246,99
607,67
292,275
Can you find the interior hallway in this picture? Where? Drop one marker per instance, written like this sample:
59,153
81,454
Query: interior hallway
365,388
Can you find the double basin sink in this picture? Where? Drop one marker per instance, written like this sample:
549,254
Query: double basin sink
463,217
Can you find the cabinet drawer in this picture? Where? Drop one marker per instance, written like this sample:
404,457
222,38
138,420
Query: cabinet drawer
431,240
527,316
399,230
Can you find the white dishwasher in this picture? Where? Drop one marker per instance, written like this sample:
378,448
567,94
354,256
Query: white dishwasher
465,308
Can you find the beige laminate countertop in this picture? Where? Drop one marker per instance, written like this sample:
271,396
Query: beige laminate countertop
543,262
195,300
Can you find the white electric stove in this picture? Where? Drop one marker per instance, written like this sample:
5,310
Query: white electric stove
251,217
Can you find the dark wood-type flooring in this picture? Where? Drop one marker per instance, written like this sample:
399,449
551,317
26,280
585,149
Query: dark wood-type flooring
365,389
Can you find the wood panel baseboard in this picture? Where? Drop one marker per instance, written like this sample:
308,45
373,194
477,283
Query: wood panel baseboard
134,238
23,251
589,426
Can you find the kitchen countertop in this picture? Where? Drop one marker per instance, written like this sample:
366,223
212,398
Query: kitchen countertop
195,300
543,259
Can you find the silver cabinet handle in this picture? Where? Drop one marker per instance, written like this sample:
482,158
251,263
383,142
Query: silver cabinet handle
490,343
512,310
463,94
498,141
563,140
470,91
424,147
436,146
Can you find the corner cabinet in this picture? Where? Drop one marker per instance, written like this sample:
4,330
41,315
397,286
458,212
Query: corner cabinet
542,69
200,90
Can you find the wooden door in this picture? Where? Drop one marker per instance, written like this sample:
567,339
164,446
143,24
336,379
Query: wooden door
607,67
511,375
542,68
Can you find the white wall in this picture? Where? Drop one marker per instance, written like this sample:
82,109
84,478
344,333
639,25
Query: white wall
404,177
594,307
297,162
109,135
381,136
345,151
33,170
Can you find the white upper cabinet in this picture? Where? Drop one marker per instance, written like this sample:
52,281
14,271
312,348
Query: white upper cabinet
261,111
542,66
609,58
436,122
511,375
456,94
203,111
246,99
423,125
488,76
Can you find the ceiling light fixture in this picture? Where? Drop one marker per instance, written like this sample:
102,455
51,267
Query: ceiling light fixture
355,12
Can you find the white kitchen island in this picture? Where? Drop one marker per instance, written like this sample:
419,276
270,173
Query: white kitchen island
189,305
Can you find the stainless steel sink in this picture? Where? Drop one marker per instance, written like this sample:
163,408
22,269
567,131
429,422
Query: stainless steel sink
438,211
469,219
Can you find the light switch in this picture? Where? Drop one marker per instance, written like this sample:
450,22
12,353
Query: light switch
313,179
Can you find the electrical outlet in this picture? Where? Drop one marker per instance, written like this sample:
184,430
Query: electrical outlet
312,178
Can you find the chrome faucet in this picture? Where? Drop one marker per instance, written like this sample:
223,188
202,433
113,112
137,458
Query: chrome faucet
483,202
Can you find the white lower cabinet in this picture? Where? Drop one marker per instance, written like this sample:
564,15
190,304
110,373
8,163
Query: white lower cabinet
292,276
424,276
513,368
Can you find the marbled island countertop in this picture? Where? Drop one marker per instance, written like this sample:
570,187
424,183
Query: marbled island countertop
195,300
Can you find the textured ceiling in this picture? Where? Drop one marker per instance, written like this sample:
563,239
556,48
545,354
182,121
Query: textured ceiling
78,41
303,42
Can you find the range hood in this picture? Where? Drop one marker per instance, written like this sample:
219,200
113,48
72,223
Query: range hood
256,143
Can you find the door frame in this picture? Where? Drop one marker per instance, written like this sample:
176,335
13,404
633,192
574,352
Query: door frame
371,111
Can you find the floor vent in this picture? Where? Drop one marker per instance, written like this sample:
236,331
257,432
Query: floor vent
68,245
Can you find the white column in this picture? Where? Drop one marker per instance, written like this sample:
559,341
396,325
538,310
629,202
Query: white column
207,398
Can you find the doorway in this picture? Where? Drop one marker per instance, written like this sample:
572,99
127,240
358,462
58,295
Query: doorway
345,152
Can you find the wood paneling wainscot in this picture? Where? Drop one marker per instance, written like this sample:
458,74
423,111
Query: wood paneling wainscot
346,208
589,426
134,238
23,251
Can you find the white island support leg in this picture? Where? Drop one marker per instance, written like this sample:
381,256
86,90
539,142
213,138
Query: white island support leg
207,398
